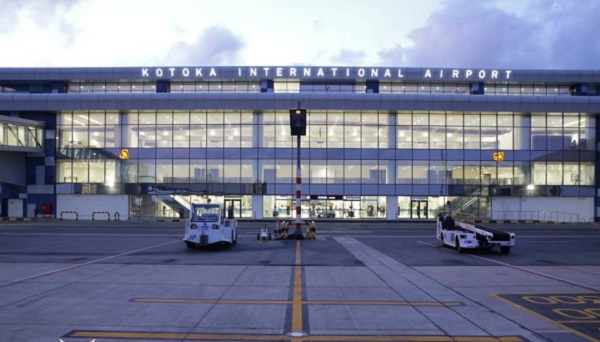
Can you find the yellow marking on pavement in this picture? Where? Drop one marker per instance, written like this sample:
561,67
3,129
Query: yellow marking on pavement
578,333
209,301
297,300
240,337
364,302
285,302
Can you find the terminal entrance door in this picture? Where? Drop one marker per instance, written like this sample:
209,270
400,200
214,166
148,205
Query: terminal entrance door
233,208
418,209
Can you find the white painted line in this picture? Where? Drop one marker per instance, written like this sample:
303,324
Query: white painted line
525,270
83,264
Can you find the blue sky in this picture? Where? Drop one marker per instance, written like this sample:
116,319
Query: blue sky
532,34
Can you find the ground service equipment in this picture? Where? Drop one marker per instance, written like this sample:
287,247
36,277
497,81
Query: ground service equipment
207,225
463,235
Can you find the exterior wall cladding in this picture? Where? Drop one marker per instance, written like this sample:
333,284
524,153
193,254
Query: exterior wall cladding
382,143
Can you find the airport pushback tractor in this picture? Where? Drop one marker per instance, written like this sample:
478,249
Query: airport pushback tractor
207,225
463,235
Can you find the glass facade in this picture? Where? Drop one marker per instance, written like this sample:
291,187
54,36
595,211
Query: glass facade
359,156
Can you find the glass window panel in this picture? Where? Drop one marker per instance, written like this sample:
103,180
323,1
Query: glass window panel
317,136
420,119
233,135
335,136
198,118
472,174
352,173
80,171
96,119
247,117
214,170
352,136
215,136
232,118
147,171
454,119
505,119
522,173
369,136
96,136
147,118
437,172
112,118
404,118
456,170
488,138
586,174
488,172
164,136
437,119
129,171
247,171
554,173
538,120
164,118
505,138
164,171
80,137
472,120
181,136
111,174
318,171
215,117
554,120
539,173
198,170
454,137
403,172
96,170
352,118
181,118
370,172
571,174
488,119
64,171
420,172
246,136
404,136
420,137
437,138
181,171
231,171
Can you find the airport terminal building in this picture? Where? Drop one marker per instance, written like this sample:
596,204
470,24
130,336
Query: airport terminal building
382,143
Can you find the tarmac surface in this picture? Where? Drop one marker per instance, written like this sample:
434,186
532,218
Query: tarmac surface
358,281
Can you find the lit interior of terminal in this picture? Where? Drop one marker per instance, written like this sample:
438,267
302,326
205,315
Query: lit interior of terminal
518,146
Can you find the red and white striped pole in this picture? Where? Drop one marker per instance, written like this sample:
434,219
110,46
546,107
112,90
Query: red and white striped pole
298,193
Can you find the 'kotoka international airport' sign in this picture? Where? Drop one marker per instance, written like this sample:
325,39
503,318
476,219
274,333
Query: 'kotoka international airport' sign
276,72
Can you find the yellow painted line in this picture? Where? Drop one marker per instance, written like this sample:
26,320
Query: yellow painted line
578,333
176,336
297,300
328,302
208,301
229,337
284,302
578,322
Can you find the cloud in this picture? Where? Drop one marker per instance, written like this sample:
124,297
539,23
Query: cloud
215,46
46,15
547,34
349,57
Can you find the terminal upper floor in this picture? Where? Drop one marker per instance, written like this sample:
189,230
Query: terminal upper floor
310,79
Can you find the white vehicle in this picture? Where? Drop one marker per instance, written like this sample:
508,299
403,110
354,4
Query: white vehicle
207,225
462,235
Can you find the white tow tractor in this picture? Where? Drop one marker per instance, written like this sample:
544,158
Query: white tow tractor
207,225
462,235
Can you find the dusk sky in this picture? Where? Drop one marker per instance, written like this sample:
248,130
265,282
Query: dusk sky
527,34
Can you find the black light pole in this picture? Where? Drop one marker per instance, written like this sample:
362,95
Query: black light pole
298,128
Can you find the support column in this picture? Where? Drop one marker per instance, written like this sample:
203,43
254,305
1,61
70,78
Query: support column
298,193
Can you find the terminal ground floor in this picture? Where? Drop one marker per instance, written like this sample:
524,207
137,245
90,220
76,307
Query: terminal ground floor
169,206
